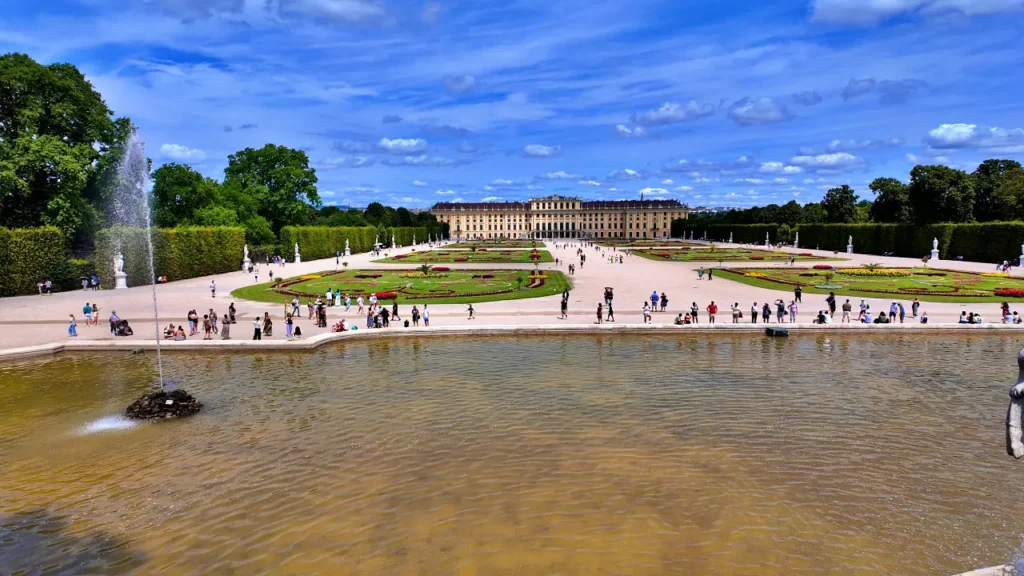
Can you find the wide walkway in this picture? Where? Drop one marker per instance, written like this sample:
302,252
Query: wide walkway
32,320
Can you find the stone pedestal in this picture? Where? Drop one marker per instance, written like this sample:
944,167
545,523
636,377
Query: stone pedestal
298,258
120,280
347,253
245,265
935,255
849,248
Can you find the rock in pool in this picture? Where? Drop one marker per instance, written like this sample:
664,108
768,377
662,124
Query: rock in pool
175,403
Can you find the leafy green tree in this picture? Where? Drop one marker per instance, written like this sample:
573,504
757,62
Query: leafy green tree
258,231
988,177
377,214
215,216
54,129
840,205
180,193
863,211
404,218
278,179
941,194
790,213
1008,197
334,216
892,202
813,213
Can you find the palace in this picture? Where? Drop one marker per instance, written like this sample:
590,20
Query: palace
560,217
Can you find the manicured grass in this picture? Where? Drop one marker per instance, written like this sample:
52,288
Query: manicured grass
929,285
444,256
454,287
704,254
498,244
645,243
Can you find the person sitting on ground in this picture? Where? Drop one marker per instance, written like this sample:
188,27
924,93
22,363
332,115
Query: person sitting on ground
977,319
882,319
866,319
297,335
963,318
179,334
169,331
679,319
1016,318
924,317
124,329
821,317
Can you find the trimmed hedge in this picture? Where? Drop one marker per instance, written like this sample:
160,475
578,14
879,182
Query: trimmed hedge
741,233
31,255
178,253
978,242
325,241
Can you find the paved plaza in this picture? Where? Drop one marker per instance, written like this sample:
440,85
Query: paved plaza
35,320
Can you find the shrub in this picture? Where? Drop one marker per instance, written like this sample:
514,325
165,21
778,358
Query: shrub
178,253
31,255
326,241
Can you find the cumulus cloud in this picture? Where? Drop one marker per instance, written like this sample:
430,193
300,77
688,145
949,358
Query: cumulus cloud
858,87
402,145
684,188
890,91
667,182
350,11
490,198
627,174
856,145
346,162
995,139
445,192
913,159
779,168
808,98
444,130
502,182
459,83
540,151
182,153
594,183
757,111
836,162
419,183
560,175
391,119
754,181
780,180
623,131
860,12
673,113
654,192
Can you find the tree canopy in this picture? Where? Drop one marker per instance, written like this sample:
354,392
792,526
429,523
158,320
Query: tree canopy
941,194
840,205
892,203
278,179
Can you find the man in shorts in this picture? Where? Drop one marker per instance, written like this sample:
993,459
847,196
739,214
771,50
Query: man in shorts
847,308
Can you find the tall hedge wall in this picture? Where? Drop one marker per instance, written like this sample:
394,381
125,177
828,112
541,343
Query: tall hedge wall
31,255
743,234
325,241
178,253
979,242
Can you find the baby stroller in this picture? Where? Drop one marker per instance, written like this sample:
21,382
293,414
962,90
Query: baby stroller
123,329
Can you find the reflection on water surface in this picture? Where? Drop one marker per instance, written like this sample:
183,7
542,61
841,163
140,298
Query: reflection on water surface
546,455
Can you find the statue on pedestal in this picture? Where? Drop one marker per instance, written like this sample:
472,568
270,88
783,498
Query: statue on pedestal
796,240
120,277
935,249
1014,415
298,258
347,251
245,258
849,245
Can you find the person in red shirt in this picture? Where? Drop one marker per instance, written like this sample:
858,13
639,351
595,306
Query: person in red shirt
712,310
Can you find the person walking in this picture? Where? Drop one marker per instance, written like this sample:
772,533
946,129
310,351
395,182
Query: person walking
565,309
348,302
766,313
599,315
736,313
647,313
415,316
225,329
798,293
213,288
72,326
360,304
471,312
213,321
915,306
87,311
712,310
207,329
902,311
700,273
711,274
792,312
295,307
831,301
611,313
257,328
394,310
426,317
654,300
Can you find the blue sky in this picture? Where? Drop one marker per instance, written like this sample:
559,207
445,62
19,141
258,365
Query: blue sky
726,103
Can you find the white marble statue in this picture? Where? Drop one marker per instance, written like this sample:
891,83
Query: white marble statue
120,277
796,240
1014,415
245,252
935,244
849,245
118,262
767,241
730,237
347,251
935,249
298,257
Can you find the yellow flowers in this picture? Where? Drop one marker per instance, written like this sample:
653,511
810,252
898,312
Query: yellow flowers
995,275
538,277
884,272
754,275
310,277
422,275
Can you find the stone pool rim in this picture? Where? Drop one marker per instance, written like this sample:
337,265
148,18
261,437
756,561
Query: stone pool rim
314,342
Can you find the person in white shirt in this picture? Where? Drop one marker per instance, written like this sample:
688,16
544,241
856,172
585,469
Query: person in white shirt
213,289
359,302
426,316
257,327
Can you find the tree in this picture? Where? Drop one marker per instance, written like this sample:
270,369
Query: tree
377,214
1008,197
278,179
813,213
941,194
892,202
404,218
180,193
987,178
790,213
54,129
863,211
840,205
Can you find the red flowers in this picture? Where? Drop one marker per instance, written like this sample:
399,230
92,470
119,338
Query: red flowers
534,255
805,254
386,295
1010,292
757,257
440,269
481,249
664,254
822,266
401,256
462,259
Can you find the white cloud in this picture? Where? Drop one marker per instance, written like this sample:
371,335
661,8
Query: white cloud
667,182
589,183
705,180
402,145
488,187
490,199
502,182
445,192
460,83
781,180
779,168
942,160
838,161
182,153
327,193
457,199
654,192
748,181
684,188
871,11
560,175
408,200
757,111
345,162
540,151
623,131
913,159
421,160
343,10
851,145
627,174
673,113
419,183
953,136
363,189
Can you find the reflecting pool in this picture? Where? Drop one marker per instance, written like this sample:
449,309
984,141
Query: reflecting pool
542,455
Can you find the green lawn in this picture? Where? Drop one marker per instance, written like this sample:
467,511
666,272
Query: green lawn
443,256
723,255
498,244
929,285
454,287
645,243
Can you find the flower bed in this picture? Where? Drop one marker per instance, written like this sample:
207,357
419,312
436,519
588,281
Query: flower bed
822,266
995,275
1010,292
881,272
757,257
754,275
440,269
363,276
310,277
386,295
664,254
401,256
462,259
805,254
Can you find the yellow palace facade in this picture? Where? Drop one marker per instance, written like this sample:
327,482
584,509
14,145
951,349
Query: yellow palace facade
556,217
